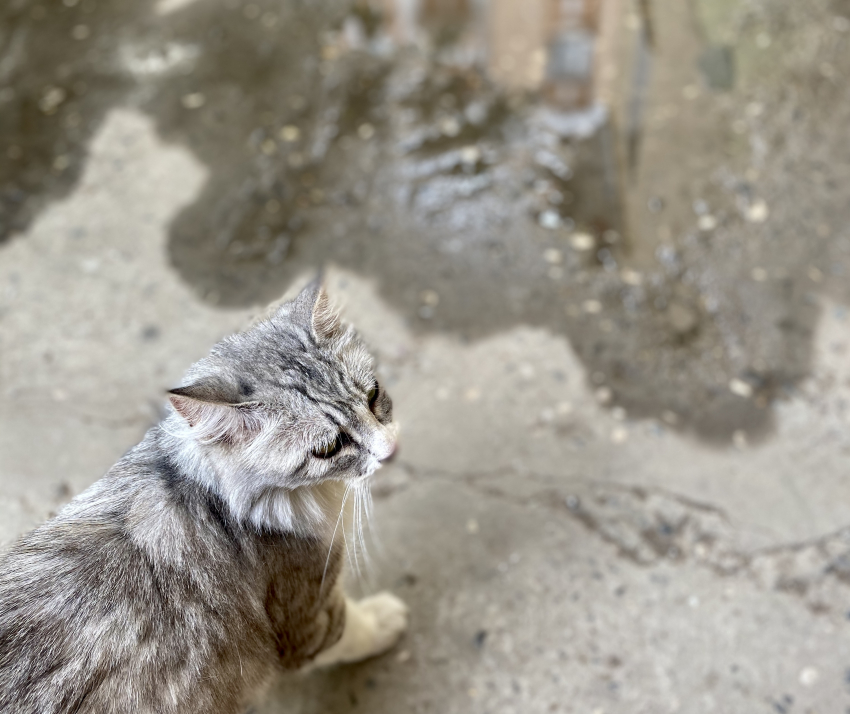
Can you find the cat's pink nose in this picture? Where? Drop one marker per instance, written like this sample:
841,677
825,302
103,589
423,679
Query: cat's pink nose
391,455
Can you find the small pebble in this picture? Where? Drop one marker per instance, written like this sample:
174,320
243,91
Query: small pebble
195,100
51,99
553,256
603,395
472,526
450,127
741,388
808,676
757,212
815,275
592,307
430,297
631,277
707,222
473,394
549,219
619,435
366,131
403,656
754,109
290,133
758,274
470,154
582,241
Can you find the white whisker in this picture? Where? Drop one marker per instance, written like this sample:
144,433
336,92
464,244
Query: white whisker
333,536
354,533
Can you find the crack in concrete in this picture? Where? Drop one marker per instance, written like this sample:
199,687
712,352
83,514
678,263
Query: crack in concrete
648,525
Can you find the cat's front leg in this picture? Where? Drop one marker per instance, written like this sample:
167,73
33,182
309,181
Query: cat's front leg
372,626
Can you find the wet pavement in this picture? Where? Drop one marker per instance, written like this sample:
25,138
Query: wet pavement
470,204
619,330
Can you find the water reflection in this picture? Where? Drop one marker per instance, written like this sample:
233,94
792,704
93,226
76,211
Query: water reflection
594,169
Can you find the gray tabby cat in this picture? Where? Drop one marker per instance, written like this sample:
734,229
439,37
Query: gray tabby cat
206,560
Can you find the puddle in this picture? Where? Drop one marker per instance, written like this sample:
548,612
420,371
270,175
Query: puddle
679,240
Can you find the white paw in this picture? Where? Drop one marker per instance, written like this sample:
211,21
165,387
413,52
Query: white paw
389,618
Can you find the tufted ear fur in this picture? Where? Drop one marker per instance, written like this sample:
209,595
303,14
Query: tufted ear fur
214,413
313,308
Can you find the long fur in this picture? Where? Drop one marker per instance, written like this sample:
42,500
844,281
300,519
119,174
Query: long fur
206,559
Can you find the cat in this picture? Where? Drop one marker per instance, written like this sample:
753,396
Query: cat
207,559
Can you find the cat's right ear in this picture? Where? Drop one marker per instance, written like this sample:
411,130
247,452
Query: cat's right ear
313,309
213,413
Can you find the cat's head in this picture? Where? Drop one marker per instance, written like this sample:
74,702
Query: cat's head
286,405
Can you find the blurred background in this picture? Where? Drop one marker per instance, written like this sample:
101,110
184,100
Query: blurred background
600,248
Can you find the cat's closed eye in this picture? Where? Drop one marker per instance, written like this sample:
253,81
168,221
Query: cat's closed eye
332,447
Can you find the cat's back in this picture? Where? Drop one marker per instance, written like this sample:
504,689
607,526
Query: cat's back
129,600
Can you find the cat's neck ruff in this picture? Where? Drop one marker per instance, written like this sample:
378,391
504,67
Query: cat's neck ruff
320,510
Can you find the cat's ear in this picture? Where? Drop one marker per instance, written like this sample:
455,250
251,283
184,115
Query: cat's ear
313,308
211,408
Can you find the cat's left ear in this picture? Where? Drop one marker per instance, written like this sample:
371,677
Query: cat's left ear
214,412
313,308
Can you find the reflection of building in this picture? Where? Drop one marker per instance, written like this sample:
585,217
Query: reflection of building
525,44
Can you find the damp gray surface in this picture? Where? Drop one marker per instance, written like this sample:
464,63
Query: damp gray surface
618,358
469,205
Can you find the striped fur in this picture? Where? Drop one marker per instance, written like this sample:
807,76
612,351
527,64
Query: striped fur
206,559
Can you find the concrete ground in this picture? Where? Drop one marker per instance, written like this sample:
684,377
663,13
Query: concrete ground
622,485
